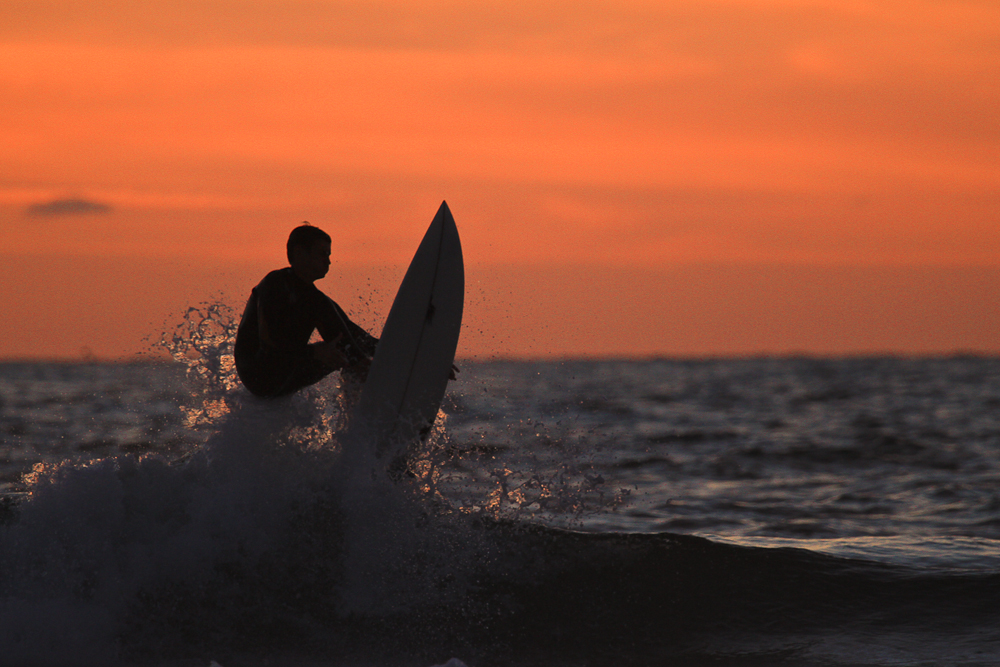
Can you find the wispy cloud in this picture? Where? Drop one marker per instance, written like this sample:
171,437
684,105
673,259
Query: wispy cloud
69,206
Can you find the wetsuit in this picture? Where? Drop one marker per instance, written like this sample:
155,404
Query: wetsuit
273,353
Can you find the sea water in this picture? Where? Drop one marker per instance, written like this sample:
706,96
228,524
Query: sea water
791,511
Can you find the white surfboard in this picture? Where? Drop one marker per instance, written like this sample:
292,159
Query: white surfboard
409,374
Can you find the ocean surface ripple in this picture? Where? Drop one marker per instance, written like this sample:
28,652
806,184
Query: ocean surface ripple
791,511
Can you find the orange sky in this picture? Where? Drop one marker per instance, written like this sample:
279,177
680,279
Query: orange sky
630,177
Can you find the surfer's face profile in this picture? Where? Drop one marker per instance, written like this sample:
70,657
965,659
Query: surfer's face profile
312,262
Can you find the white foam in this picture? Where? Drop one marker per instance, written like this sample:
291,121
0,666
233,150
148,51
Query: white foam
91,538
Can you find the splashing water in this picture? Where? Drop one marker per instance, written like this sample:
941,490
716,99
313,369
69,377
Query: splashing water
554,483
263,535
527,489
203,342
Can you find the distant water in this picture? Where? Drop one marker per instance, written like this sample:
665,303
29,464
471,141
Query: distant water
673,512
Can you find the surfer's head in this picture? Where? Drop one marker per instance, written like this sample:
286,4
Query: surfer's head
308,252
304,237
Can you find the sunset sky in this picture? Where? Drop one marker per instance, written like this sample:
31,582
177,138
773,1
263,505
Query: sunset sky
630,177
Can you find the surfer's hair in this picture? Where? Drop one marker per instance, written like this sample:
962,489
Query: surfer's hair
305,236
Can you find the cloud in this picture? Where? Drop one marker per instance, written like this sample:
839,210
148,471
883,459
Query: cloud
58,207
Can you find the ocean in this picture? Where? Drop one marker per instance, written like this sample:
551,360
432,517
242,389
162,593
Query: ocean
744,512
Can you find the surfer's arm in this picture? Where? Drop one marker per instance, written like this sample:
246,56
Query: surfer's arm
330,354
333,323
263,332
270,304
365,340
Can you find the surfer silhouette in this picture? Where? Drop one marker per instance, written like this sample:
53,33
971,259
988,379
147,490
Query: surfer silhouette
273,354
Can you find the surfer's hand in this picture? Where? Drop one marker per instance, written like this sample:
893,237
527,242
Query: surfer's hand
454,372
328,354
359,368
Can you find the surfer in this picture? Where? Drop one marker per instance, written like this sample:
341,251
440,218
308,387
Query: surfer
273,354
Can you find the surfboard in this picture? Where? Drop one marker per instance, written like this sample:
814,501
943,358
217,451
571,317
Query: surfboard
400,398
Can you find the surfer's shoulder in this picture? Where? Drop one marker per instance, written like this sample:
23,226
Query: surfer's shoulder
279,279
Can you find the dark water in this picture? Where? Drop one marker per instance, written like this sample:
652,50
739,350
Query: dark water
719,512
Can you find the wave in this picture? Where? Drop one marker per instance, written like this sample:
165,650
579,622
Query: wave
265,544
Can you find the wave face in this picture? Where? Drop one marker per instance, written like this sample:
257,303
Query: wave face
737,512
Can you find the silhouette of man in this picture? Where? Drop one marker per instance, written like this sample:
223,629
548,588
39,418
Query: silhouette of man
273,354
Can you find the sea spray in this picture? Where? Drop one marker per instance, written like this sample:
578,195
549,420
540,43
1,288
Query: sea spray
270,535
96,547
202,341
404,547
61,592
380,537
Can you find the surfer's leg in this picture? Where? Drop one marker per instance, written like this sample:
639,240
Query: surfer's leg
307,371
